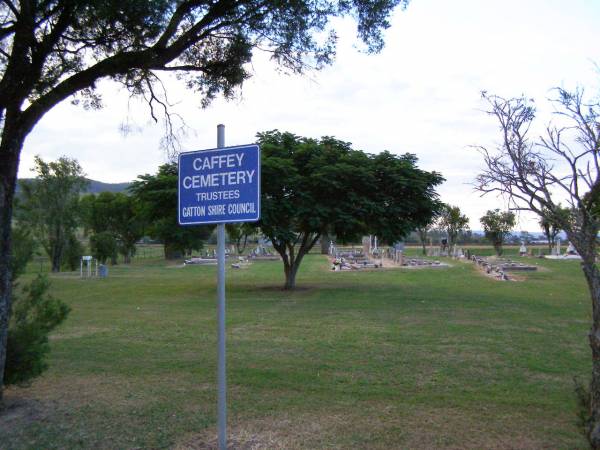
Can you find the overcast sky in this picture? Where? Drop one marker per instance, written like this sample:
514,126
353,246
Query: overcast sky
421,94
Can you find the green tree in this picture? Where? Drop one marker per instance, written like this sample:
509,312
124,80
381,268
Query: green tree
314,186
34,315
239,233
156,196
551,227
496,226
54,50
116,214
453,222
424,229
50,206
103,246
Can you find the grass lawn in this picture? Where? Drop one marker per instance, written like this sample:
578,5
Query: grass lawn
430,358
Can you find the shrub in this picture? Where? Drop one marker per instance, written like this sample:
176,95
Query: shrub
34,315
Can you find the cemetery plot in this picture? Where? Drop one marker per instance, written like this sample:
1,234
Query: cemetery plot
373,257
209,257
500,268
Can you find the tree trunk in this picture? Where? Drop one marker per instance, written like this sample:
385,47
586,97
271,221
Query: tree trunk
325,240
56,260
592,276
8,179
290,276
422,232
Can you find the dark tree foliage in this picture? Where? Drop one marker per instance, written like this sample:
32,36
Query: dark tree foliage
103,246
53,50
156,198
23,249
311,186
114,214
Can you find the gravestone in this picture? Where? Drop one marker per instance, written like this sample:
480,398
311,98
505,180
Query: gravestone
522,249
366,245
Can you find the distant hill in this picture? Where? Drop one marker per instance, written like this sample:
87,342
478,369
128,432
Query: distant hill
98,186
95,187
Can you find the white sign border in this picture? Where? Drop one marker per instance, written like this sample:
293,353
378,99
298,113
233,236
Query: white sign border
187,224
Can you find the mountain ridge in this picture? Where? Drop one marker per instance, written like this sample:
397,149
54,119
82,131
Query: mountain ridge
95,186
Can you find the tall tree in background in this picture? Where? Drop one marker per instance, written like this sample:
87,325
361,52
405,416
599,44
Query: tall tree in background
156,198
452,222
551,228
58,49
314,186
536,175
50,205
424,229
239,233
114,215
497,226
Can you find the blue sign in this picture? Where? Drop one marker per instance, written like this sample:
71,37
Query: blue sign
219,186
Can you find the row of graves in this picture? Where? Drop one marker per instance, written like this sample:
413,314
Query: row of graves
501,268
371,256
209,257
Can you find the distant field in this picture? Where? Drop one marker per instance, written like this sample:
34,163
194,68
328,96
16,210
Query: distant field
432,358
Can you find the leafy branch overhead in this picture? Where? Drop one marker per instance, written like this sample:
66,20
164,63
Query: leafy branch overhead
52,50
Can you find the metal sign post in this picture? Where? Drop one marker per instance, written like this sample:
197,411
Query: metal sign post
222,361
220,186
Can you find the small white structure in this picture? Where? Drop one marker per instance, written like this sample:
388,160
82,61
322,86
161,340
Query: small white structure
522,249
571,249
91,267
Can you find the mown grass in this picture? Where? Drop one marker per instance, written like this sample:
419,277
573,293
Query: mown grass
432,358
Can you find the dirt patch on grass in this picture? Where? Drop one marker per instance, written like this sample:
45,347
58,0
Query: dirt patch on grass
79,332
376,427
15,410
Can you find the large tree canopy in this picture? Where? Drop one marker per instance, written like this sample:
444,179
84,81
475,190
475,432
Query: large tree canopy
53,50
314,186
